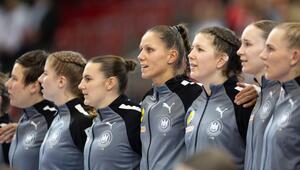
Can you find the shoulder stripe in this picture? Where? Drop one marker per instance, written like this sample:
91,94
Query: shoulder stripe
129,107
81,109
52,109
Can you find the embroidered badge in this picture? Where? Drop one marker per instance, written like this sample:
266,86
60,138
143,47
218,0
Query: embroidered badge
214,128
164,124
29,139
105,139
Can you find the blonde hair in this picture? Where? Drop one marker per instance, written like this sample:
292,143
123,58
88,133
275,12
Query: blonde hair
292,33
69,64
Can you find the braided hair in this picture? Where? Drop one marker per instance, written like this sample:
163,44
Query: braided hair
70,65
226,41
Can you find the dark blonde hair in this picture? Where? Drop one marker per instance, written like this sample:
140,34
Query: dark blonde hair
226,41
266,26
112,65
69,64
175,37
292,33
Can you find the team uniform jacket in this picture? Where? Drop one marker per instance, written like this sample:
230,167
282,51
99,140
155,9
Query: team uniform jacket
113,141
63,146
162,126
4,147
281,144
258,122
29,135
216,121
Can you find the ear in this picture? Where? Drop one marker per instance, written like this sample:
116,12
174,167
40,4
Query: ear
110,83
222,60
295,57
35,87
173,56
62,81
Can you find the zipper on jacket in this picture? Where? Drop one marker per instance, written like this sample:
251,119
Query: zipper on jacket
90,148
198,126
150,136
252,128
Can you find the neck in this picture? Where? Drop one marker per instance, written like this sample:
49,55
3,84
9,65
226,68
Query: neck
64,98
258,76
163,78
292,74
34,99
108,100
213,79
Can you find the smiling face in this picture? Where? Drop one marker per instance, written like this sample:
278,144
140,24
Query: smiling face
202,58
276,56
49,81
154,58
19,93
253,44
93,86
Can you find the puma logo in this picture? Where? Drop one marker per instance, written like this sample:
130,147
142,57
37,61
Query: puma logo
168,107
218,109
34,124
291,102
110,124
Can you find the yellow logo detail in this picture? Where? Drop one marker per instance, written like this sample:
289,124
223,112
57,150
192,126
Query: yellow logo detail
142,112
190,117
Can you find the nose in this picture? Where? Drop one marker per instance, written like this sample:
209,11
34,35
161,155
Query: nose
40,79
7,83
240,51
141,56
80,85
191,55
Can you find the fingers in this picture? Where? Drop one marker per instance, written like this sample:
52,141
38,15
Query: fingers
7,132
247,96
249,104
240,84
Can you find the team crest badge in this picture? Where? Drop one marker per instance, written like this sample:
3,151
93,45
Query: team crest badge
105,139
164,124
29,139
214,128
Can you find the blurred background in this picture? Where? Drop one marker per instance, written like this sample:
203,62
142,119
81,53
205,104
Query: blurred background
98,27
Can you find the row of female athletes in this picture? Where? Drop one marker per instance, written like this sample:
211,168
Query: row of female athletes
177,117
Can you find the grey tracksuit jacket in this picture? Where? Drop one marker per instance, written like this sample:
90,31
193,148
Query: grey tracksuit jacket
30,133
4,147
63,146
162,126
258,121
216,121
113,141
281,143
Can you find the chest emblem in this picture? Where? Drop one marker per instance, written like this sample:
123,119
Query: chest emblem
164,124
105,139
29,139
266,109
55,134
214,128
